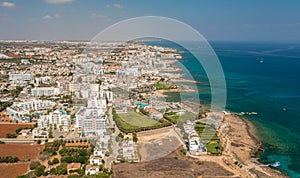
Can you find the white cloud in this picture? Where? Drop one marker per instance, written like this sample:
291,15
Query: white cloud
8,4
119,6
47,17
101,17
58,1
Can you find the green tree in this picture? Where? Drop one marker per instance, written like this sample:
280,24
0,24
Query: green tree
55,161
134,137
39,171
34,164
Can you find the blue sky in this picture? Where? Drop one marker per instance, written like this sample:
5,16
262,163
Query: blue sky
256,20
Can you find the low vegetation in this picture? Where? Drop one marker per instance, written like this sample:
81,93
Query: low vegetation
12,93
134,137
11,135
34,164
4,105
175,117
172,117
183,151
128,128
164,86
9,159
54,161
75,155
209,136
51,148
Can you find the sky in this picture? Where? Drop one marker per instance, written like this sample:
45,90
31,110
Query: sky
230,20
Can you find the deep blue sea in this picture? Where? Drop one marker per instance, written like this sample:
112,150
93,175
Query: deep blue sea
271,88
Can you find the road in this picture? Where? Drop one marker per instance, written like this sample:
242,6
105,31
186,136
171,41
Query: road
115,144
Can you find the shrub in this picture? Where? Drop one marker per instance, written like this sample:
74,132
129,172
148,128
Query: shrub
55,161
11,135
199,162
183,151
39,171
34,164
9,159
134,137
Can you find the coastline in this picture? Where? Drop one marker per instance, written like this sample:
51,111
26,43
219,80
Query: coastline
242,158
161,93
241,145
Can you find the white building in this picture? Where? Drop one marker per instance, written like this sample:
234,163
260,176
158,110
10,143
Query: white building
194,142
92,170
17,113
98,153
37,104
91,121
21,77
128,150
55,118
153,113
195,145
21,111
97,103
43,80
189,127
44,91
95,160
39,133
43,121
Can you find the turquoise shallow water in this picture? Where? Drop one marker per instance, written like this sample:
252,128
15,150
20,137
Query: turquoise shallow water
271,88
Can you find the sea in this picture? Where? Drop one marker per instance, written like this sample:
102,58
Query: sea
262,77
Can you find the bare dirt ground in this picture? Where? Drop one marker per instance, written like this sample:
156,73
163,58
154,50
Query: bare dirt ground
11,128
22,151
78,144
156,145
13,170
4,117
172,166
